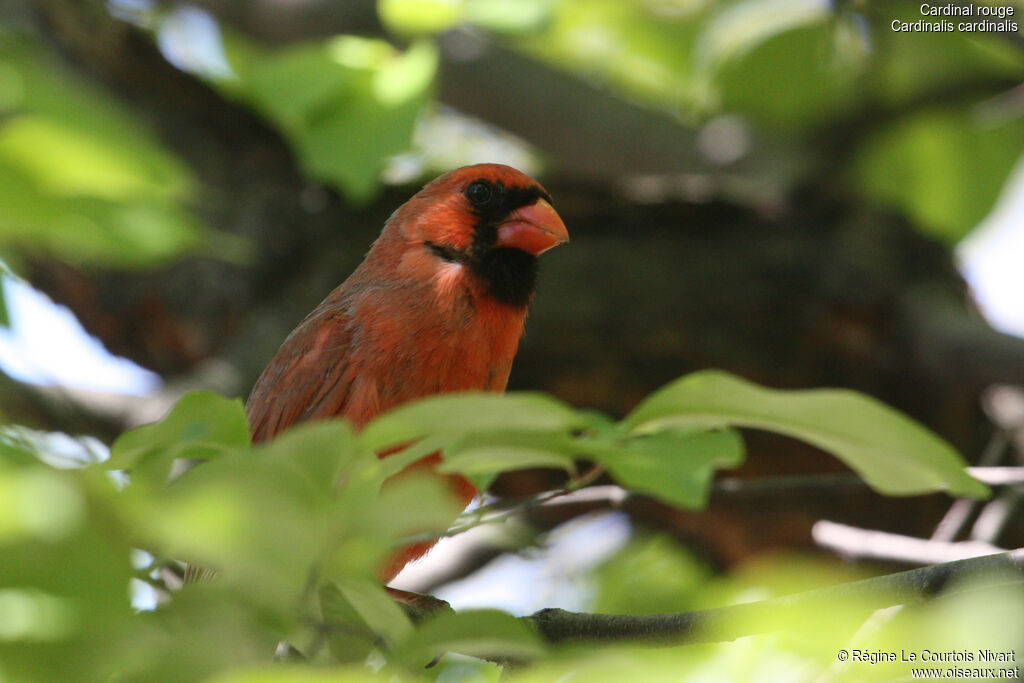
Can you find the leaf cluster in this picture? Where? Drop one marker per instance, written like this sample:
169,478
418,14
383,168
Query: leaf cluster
294,530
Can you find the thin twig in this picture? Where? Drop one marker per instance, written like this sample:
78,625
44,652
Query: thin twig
996,514
853,542
954,522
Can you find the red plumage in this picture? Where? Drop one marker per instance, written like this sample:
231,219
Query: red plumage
437,305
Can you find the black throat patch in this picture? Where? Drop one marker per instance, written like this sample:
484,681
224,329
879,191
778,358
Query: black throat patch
510,275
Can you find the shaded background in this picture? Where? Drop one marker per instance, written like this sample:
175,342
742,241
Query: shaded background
770,187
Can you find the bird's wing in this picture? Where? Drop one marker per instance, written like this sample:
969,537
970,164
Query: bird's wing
310,377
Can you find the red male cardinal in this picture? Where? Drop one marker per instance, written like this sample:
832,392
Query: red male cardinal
437,305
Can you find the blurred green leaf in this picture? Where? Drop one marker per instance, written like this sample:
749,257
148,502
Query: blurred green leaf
203,630
479,633
323,450
434,16
894,454
300,674
672,465
79,176
349,638
740,27
915,64
64,159
454,415
16,452
508,16
652,574
481,457
201,425
64,573
944,167
346,104
5,317
420,16
634,50
38,503
817,86
258,521
344,601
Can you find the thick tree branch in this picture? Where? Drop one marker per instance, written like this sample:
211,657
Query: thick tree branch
728,623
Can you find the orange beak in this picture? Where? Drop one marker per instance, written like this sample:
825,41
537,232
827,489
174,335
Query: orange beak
533,229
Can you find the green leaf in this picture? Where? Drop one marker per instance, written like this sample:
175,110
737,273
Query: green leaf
79,176
894,454
675,467
945,168
298,674
38,502
346,104
420,16
88,164
652,573
488,454
477,633
5,318
509,16
359,615
321,449
743,26
201,425
414,452
260,520
454,415
64,572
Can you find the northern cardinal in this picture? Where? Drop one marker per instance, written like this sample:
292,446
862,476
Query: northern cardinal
436,306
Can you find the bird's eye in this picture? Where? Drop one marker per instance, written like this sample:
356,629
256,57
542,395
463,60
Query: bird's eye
479,192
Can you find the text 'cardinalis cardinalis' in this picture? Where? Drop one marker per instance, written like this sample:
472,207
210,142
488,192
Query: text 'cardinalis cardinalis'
436,306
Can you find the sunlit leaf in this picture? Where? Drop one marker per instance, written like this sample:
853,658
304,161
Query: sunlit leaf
508,16
38,503
261,522
30,615
483,456
454,415
345,105
297,674
66,160
79,176
64,573
894,454
622,44
201,425
420,16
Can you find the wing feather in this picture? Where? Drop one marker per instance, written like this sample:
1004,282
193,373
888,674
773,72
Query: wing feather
310,377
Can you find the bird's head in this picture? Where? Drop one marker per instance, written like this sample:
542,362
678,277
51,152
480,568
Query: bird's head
489,221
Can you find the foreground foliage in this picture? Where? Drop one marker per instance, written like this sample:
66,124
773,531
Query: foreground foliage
296,528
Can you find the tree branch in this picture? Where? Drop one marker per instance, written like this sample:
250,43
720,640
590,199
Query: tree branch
729,623
870,544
